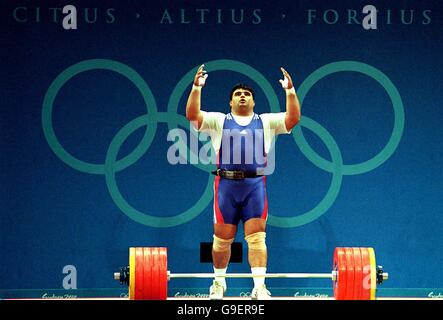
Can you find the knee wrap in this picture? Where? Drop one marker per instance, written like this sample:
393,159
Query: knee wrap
256,241
221,245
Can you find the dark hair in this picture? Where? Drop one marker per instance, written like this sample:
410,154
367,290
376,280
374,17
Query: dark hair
241,86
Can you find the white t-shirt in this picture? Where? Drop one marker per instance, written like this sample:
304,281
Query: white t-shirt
273,124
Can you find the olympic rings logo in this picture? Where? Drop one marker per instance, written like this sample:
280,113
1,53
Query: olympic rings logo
150,120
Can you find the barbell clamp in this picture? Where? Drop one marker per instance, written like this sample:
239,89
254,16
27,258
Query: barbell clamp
381,276
122,276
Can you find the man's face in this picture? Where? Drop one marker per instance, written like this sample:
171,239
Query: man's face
242,100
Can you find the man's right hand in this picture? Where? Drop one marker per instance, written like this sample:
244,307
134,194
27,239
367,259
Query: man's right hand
193,112
200,77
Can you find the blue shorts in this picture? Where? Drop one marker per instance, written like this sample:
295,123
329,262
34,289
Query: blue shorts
236,200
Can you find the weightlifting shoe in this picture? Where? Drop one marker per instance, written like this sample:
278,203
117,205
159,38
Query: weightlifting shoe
260,293
216,291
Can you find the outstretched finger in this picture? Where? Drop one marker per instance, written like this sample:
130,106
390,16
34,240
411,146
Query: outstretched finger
285,72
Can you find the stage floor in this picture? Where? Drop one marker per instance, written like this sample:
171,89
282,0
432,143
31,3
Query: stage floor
201,294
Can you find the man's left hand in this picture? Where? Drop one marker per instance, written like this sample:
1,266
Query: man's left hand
286,83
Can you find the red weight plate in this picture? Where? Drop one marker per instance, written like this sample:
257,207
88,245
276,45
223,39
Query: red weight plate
151,274
163,278
139,274
358,274
349,274
366,274
339,265
155,273
147,289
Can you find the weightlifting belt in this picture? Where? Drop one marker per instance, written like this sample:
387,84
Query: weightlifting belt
236,174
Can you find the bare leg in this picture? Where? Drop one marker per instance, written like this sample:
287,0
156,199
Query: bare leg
257,258
255,235
223,231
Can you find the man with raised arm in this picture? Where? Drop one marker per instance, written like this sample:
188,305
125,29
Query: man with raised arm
241,140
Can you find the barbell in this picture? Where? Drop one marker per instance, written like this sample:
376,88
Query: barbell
354,274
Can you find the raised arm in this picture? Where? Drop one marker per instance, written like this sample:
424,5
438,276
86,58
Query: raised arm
292,103
193,112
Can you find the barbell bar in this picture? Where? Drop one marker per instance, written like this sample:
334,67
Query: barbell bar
249,275
354,274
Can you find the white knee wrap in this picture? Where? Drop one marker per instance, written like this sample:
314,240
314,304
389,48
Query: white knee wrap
256,241
221,245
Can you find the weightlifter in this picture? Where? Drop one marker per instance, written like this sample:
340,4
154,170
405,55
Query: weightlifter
241,140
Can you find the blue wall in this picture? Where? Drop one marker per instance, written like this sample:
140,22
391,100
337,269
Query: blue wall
363,168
